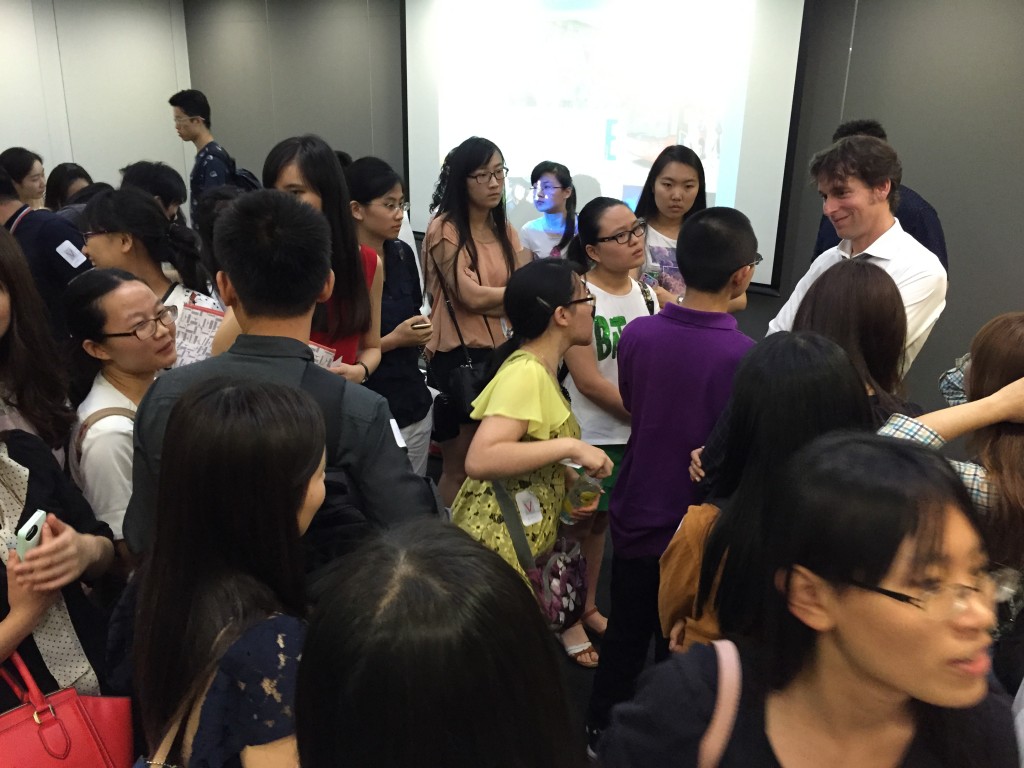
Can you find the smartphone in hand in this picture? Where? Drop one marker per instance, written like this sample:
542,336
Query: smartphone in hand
31,533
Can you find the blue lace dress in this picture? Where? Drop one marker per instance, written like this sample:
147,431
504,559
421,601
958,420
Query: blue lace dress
251,699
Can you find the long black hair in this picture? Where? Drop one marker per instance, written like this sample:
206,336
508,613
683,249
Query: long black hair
33,378
451,200
677,153
134,212
561,173
419,633
789,389
319,166
226,552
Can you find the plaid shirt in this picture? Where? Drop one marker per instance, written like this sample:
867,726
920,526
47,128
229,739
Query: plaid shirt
951,383
974,476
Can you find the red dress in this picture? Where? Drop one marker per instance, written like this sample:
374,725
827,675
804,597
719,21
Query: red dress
346,348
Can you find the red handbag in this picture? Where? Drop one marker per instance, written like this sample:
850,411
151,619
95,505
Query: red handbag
63,730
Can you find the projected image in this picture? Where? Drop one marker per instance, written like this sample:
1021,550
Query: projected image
573,91
603,86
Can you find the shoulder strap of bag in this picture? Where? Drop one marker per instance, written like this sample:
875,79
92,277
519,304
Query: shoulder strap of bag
95,416
514,523
645,289
451,310
730,678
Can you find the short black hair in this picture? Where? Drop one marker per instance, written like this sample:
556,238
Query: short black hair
159,179
59,181
276,251
712,245
193,103
860,128
867,158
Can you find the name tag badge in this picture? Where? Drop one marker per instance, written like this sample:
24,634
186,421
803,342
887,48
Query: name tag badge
529,508
71,255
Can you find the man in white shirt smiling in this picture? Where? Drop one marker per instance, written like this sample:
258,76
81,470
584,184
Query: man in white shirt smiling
858,179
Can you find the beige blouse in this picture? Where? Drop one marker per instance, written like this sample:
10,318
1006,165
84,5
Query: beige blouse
477,330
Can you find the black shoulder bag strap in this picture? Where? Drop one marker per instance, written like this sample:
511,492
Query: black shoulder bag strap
451,310
514,523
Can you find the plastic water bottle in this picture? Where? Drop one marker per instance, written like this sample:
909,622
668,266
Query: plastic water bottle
582,494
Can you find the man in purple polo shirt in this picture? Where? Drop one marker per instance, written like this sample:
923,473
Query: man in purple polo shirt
675,374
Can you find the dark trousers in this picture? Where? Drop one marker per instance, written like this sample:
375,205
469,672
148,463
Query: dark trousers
632,622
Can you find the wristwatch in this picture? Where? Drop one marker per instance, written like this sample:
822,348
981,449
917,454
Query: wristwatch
366,377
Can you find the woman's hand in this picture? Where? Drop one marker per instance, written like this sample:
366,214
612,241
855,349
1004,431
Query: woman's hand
696,469
27,606
404,335
664,296
60,559
594,461
675,636
353,373
587,510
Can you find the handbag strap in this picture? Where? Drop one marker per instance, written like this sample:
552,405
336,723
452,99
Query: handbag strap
31,692
451,309
730,679
514,523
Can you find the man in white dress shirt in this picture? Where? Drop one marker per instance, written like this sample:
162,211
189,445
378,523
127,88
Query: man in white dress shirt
858,178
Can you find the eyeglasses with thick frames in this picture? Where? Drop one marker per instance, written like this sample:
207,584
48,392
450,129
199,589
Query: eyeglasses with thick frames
639,230
147,328
588,299
947,601
95,232
393,208
485,176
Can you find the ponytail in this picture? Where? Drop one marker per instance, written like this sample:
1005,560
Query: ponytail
179,248
569,234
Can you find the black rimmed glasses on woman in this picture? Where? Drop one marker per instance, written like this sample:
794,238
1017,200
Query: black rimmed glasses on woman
147,328
639,230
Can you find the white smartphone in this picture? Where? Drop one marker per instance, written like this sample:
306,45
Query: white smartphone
31,533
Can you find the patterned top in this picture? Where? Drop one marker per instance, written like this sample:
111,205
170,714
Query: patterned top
251,699
951,383
521,389
974,476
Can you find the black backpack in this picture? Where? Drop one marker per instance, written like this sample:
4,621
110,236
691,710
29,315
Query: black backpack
242,178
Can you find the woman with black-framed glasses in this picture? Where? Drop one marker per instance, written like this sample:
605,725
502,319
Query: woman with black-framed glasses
873,647
469,252
122,335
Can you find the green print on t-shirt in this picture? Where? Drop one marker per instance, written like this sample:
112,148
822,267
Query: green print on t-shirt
606,335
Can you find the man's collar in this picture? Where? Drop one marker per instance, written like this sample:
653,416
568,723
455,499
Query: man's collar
885,246
270,346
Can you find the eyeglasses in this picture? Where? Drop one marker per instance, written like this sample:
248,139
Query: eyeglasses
393,207
485,177
947,601
147,328
544,189
588,299
94,233
758,258
639,230
186,119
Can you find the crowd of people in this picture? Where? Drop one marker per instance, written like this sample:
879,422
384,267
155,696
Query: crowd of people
228,417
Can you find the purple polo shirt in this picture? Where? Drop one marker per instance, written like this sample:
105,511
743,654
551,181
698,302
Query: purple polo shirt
675,374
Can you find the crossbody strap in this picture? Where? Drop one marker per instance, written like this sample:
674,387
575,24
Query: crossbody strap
451,309
727,702
514,523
